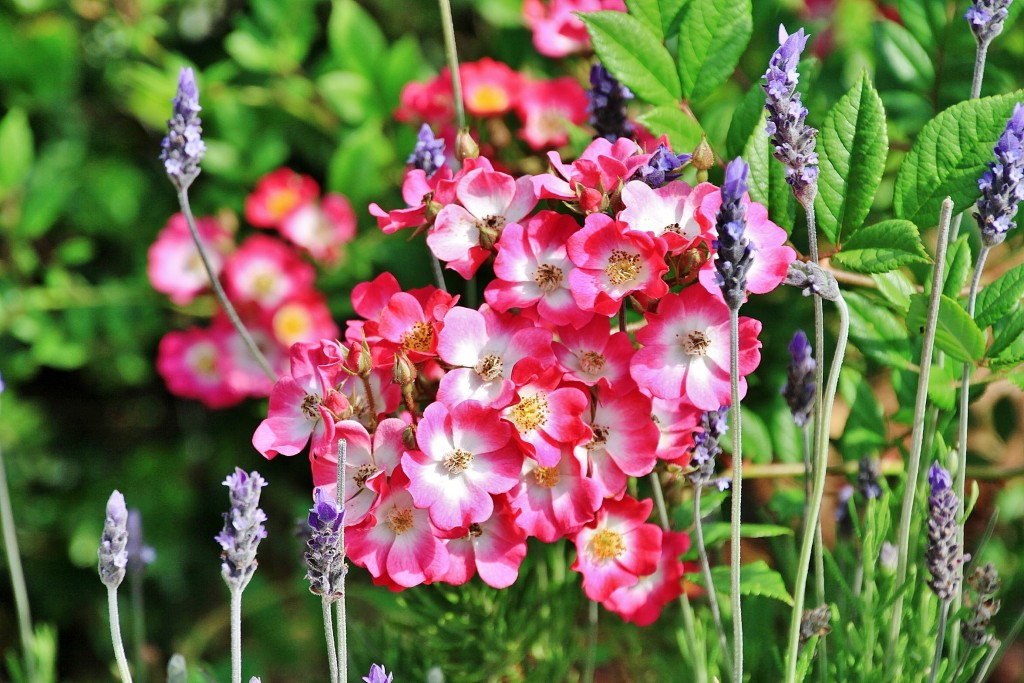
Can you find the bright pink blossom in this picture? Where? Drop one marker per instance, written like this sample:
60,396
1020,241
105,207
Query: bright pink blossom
676,420
240,368
277,194
547,108
555,501
321,228
411,326
642,603
557,31
302,318
489,88
419,191
592,179
686,350
266,271
191,363
432,101
669,212
175,268
493,548
548,417
593,354
625,440
617,548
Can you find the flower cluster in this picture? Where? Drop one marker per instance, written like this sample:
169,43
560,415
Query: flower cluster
266,277
113,554
1002,185
799,388
944,554
557,31
469,430
243,528
183,147
986,18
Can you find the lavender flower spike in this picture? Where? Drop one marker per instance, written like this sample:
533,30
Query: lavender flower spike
944,555
734,255
183,148
325,559
986,18
607,107
792,139
799,388
243,528
112,553
428,155
664,166
1002,185
378,675
714,424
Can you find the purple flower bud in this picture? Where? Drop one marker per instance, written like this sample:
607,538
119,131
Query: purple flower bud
792,139
607,107
799,388
1002,185
869,475
243,528
325,558
733,254
944,555
139,554
428,155
183,148
986,18
112,553
714,424
662,167
378,675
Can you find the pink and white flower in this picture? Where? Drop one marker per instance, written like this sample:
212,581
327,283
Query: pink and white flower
277,194
642,602
617,548
419,192
625,440
548,417
677,421
191,363
557,31
555,501
546,107
174,265
266,271
321,228
594,355
668,212
592,179
493,548
489,88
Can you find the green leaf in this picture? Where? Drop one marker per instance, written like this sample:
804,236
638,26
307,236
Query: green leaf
865,428
878,334
757,440
1006,331
671,11
882,247
715,34
896,288
787,441
649,12
958,266
716,532
1000,296
756,578
634,55
746,119
942,385
905,57
1012,355
852,146
683,132
956,333
16,149
355,39
949,156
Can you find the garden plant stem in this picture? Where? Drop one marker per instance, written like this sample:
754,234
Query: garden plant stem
817,492
15,569
448,28
342,653
705,567
591,661
737,492
937,659
917,436
115,635
236,634
979,69
332,653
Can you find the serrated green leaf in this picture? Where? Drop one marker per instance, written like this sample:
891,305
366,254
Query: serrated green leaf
942,385
882,247
16,149
907,59
715,35
756,578
355,39
716,532
748,115
852,146
956,333
634,55
671,13
999,296
896,288
1012,355
683,132
878,334
1018,379
1006,332
958,266
949,156
648,12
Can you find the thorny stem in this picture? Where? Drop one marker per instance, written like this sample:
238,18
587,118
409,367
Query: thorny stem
737,492
115,635
937,659
917,436
705,568
591,662
236,634
17,574
218,290
448,28
684,600
332,653
818,491
339,605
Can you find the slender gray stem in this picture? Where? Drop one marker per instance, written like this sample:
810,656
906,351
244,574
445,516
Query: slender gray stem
705,567
994,648
591,663
737,493
448,28
438,273
979,69
937,659
218,290
236,634
917,435
689,623
17,573
138,624
817,493
115,635
332,653
339,605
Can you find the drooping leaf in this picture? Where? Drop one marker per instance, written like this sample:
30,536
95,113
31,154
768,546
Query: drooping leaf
942,385
683,132
756,578
634,55
896,288
852,146
949,156
999,297
956,334
882,247
716,532
715,35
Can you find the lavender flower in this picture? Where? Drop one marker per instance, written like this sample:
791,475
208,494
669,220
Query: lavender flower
734,255
325,559
985,582
944,555
662,167
243,528
869,474
1002,185
378,675
888,556
139,554
986,18
844,522
714,424
607,107
183,148
813,279
792,138
799,388
428,155
112,553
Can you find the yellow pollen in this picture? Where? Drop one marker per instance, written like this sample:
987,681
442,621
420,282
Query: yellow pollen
696,343
364,472
292,324
548,277
263,284
311,407
419,338
399,520
600,437
546,476
488,99
606,545
281,202
592,362
530,413
489,368
458,461
622,267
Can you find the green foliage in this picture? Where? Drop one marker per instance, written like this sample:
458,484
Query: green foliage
715,35
1000,296
957,334
883,247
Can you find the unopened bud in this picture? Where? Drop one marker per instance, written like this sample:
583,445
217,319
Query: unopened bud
465,146
409,437
364,361
403,372
703,156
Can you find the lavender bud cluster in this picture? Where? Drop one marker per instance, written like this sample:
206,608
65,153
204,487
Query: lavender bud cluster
986,18
243,528
813,279
985,583
1002,185
607,106
325,558
733,252
664,166
714,424
183,148
428,155
799,388
869,476
792,139
114,541
944,555
378,675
